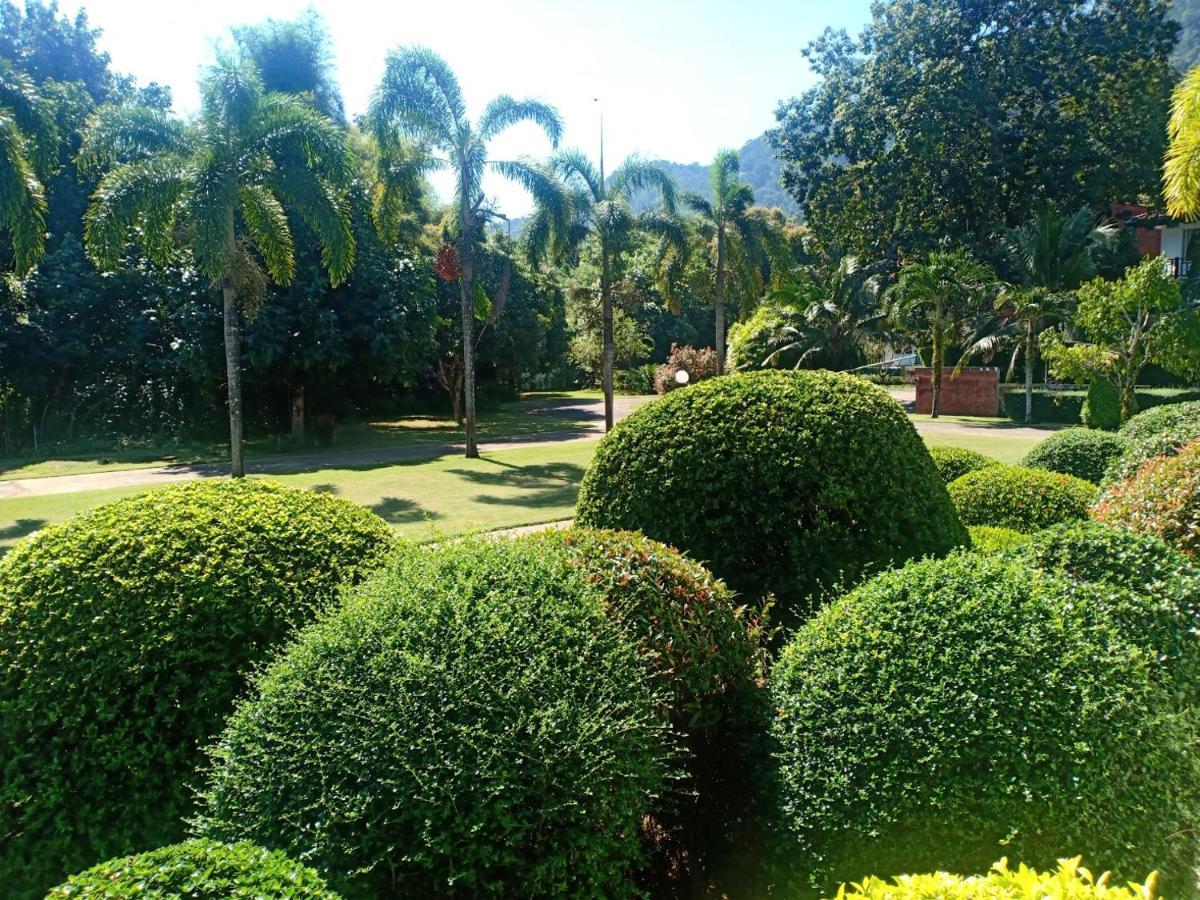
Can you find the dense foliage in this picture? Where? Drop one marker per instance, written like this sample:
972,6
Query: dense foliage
198,870
824,470
699,364
1068,739
1162,498
469,720
126,634
954,462
992,538
1019,498
1070,881
1102,406
1082,452
1162,431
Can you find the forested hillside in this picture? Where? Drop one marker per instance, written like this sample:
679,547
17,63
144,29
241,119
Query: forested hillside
1187,51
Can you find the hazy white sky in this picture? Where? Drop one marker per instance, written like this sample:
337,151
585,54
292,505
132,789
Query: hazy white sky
677,80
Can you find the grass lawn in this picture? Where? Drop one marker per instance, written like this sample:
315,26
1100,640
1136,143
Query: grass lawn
422,499
1007,448
534,413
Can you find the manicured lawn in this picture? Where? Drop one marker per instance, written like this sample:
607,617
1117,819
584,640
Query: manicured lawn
1007,448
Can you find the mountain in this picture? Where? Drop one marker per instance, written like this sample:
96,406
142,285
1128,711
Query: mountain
1187,51
760,169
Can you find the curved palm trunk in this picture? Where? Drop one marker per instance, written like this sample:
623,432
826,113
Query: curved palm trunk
233,376
1030,349
610,346
719,301
466,287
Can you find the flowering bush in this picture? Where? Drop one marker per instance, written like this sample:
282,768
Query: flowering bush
699,364
1162,498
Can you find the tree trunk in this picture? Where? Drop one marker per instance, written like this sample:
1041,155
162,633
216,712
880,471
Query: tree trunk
233,375
719,301
610,346
1030,348
466,284
1129,405
938,362
298,415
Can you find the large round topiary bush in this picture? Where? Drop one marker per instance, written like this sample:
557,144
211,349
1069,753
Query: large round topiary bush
125,635
954,462
1161,431
780,481
198,870
470,722
1162,499
705,651
1019,498
1082,452
959,710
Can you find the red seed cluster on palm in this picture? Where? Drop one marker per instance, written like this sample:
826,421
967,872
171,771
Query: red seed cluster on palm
447,266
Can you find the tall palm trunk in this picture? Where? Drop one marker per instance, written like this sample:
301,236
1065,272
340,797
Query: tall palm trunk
233,376
610,346
938,363
466,286
1030,349
719,301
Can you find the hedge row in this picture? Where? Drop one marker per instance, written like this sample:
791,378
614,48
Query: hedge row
1066,407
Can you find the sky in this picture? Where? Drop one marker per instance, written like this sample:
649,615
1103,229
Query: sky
675,80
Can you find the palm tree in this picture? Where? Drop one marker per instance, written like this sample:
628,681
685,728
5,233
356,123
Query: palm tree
930,300
1181,172
727,215
1050,256
28,141
601,208
222,188
420,123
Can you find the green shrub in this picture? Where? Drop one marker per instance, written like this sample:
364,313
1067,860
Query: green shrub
954,462
470,722
1162,499
1019,498
199,870
1069,882
1156,432
1102,406
990,539
637,381
126,634
699,363
957,710
705,652
1081,452
1065,407
779,481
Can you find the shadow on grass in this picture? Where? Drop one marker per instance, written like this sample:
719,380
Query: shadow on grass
400,511
20,528
552,484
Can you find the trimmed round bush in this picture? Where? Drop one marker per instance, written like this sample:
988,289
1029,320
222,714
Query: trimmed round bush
990,539
1082,452
1102,406
959,710
1162,499
125,635
199,870
470,722
1019,498
1161,431
1069,882
783,482
706,653
954,462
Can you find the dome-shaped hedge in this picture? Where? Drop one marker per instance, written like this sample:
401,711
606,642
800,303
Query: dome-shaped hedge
1069,882
125,635
706,652
954,462
1162,499
779,481
1161,431
1082,452
198,870
470,722
1019,498
959,710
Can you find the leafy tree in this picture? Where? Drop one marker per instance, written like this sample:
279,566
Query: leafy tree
944,120
1127,325
1047,259
930,300
52,47
420,100
28,149
294,57
222,189
601,210
727,216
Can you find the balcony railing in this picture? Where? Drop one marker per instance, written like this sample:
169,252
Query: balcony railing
1179,267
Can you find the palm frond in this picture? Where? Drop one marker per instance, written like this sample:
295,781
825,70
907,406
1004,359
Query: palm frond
116,135
574,166
636,174
31,115
230,95
1181,171
288,128
325,211
697,204
22,198
505,111
145,193
400,177
267,224
420,96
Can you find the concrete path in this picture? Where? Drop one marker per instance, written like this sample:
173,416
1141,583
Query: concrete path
590,412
